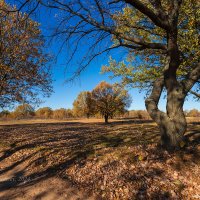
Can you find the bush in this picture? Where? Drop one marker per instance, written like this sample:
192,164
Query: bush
5,114
23,111
62,113
139,114
193,113
44,113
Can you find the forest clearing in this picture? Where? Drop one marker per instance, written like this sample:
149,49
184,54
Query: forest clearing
99,100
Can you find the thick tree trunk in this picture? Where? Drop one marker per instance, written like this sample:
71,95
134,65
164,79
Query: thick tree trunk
172,124
172,133
176,121
106,118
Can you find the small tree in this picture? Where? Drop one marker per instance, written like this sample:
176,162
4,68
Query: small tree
45,112
109,99
23,111
83,105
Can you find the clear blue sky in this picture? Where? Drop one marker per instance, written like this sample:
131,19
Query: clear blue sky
64,94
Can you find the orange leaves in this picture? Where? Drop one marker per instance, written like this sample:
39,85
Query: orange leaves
22,59
110,99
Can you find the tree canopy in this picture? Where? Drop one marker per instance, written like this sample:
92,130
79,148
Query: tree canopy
83,105
144,65
24,65
109,99
44,112
23,111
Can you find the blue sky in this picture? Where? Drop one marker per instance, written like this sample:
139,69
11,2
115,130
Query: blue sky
65,93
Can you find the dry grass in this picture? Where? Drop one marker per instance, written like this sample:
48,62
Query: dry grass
120,160
47,121
193,119
82,120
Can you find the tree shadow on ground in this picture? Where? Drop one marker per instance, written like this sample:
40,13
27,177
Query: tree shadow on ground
53,148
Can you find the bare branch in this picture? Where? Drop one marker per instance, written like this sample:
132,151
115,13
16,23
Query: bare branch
195,94
100,11
113,2
82,68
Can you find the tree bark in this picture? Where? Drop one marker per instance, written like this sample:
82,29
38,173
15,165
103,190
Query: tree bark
172,125
106,118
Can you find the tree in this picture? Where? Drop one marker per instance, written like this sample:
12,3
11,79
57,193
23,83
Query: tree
24,70
173,67
193,113
4,114
62,113
69,113
109,99
163,34
83,105
45,112
23,111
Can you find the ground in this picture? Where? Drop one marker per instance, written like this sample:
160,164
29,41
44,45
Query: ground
86,159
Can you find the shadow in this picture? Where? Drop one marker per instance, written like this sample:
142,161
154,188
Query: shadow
193,134
51,149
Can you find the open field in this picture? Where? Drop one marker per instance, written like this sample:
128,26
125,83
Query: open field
83,120
86,159
47,121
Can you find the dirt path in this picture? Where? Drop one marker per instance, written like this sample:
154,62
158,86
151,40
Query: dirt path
16,185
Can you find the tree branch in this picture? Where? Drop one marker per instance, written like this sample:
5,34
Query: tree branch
152,101
78,72
195,94
109,29
158,17
191,79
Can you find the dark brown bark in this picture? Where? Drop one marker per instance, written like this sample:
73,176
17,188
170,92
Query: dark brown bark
106,118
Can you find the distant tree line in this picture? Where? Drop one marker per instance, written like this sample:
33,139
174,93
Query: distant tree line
105,100
26,111
192,113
